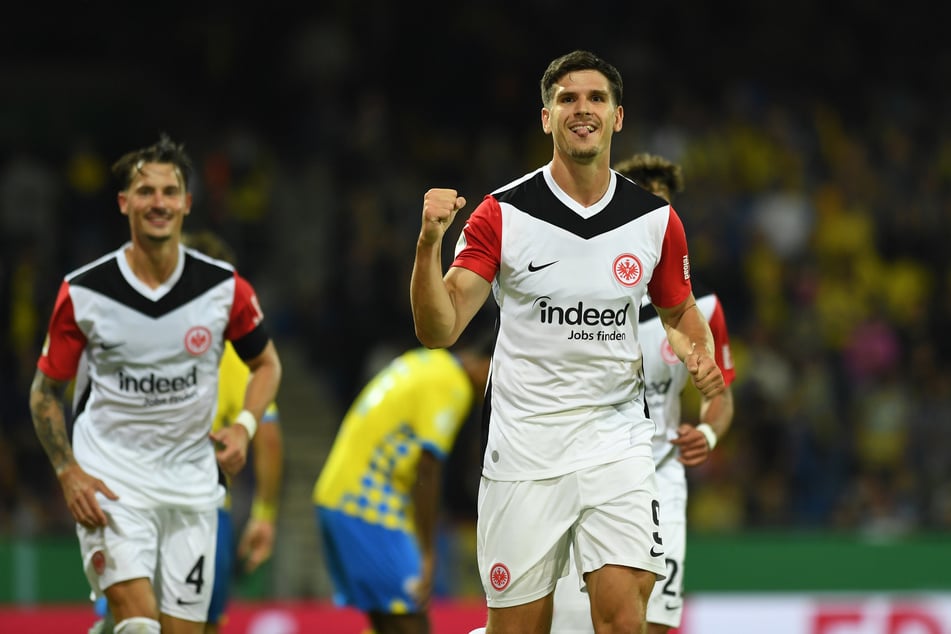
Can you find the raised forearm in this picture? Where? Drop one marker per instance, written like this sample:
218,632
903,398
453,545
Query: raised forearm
434,315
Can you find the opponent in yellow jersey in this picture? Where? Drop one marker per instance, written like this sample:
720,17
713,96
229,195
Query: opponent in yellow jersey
378,493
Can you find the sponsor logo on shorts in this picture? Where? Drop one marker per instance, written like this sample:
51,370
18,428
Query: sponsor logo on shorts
499,576
627,269
198,340
181,601
99,562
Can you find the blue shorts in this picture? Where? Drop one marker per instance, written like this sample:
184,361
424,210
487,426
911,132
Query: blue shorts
224,566
373,569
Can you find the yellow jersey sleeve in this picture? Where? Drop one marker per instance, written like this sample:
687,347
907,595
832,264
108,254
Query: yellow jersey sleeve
232,380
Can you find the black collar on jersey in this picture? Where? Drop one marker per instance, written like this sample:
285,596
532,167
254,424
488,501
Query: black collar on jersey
535,198
198,276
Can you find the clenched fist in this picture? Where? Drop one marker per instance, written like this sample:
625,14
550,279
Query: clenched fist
440,207
704,372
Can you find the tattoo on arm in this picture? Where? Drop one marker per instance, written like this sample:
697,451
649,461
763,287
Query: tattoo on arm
46,406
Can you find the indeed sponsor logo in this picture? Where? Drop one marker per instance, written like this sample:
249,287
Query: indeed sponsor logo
153,384
580,315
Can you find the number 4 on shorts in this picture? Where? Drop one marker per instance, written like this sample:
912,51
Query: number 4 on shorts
197,575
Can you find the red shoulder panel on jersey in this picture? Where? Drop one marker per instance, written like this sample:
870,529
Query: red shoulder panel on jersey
721,343
670,284
64,340
482,234
246,312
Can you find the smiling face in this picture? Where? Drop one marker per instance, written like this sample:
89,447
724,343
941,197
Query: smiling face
582,116
156,203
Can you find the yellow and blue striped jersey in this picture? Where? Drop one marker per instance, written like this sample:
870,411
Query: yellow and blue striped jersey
419,401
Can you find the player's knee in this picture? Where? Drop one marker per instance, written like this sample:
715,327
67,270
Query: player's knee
138,625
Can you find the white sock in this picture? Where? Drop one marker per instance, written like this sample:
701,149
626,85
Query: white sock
138,625
480,630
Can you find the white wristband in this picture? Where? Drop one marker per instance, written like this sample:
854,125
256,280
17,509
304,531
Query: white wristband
709,434
248,421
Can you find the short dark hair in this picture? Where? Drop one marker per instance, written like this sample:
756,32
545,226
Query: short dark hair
576,61
163,151
645,169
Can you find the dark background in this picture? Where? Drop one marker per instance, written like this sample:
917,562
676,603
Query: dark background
815,144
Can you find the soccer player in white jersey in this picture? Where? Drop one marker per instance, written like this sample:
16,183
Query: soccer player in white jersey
568,252
676,443
149,322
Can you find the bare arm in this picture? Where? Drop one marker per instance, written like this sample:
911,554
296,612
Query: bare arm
261,391
264,382
692,341
257,542
49,421
442,306
717,412
426,493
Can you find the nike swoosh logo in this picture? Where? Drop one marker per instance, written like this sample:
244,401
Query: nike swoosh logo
110,346
654,553
180,602
532,268
675,606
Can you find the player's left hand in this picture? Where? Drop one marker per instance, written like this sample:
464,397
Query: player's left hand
231,448
704,372
692,444
256,543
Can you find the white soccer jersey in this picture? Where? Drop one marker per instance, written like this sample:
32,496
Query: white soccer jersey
566,388
147,385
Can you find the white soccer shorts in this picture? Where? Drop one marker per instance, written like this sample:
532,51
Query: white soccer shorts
608,513
129,547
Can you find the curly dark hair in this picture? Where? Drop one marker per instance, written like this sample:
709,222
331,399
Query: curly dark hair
163,151
211,244
645,169
576,61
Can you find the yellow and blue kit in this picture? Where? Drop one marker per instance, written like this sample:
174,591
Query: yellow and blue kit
363,496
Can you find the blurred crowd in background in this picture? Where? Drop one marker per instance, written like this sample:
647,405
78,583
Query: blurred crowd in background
815,144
